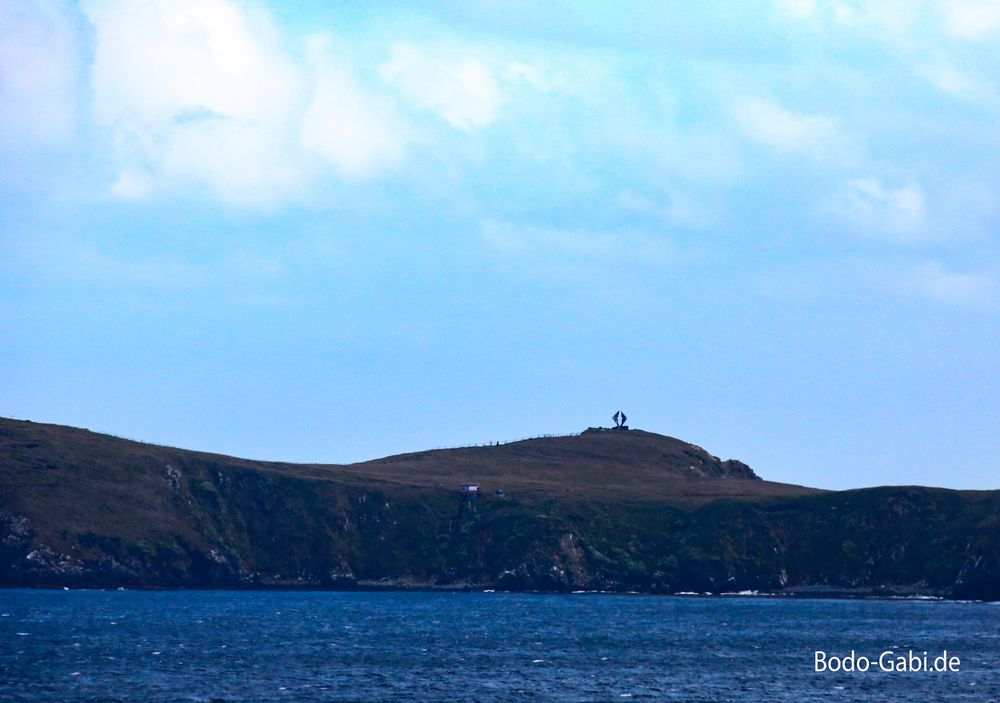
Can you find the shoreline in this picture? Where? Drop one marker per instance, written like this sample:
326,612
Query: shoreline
809,593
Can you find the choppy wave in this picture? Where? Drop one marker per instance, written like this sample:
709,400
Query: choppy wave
493,648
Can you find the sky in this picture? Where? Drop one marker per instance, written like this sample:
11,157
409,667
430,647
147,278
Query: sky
329,232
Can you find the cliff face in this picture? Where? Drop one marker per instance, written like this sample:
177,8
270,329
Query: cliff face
602,511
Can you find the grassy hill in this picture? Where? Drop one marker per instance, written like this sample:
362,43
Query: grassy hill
603,510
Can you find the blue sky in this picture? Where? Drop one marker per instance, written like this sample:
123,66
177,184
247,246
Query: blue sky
329,232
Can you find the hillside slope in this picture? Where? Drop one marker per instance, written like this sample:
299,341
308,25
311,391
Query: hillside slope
602,510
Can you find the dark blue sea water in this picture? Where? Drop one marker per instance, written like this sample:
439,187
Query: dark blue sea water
293,646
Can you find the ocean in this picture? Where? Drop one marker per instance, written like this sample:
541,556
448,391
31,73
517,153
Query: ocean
414,646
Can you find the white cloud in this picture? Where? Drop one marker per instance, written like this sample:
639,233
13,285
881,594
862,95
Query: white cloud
158,60
195,91
208,96
132,185
949,79
203,93
934,282
357,133
679,209
972,21
892,20
518,71
40,52
887,20
769,123
897,214
241,162
799,9
903,23
461,89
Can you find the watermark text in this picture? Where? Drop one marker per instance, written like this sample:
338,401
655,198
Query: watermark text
888,661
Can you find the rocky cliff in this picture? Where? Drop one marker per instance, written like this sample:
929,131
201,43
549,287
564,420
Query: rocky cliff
618,511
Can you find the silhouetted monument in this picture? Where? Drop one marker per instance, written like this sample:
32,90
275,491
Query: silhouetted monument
619,418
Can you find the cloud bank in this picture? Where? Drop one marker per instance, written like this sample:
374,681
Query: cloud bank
212,97
228,103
